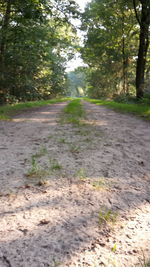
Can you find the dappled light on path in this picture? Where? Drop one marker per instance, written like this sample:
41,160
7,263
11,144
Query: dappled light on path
84,176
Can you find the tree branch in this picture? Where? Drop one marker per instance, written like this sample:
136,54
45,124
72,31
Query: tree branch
136,14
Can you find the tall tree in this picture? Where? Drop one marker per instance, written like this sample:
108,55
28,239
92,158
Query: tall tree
4,29
144,21
110,45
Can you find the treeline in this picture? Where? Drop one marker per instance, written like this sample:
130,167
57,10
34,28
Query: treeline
36,40
116,47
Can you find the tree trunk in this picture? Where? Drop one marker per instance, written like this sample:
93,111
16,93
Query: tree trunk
124,56
141,62
143,46
4,30
3,43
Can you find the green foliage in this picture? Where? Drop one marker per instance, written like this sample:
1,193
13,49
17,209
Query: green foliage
36,40
76,82
110,47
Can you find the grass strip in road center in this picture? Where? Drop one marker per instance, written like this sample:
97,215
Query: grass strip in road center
73,112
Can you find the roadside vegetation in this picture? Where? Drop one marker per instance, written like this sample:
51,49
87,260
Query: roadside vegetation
141,109
7,111
74,112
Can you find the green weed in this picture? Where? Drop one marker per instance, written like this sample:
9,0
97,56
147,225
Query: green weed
74,149
62,141
99,184
55,165
107,216
114,248
81,174
36,171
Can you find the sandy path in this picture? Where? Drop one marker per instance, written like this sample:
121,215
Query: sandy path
52,219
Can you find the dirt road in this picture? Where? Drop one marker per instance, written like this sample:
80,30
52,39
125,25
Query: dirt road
74,196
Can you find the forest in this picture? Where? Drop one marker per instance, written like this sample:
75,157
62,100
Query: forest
36,40
39,37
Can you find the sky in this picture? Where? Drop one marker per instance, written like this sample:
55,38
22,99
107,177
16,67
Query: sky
82,3
77,61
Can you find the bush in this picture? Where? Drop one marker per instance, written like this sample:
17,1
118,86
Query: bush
124,98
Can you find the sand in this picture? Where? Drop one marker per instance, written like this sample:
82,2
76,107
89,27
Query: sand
74,195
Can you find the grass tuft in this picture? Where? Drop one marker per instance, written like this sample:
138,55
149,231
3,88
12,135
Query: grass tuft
100,184
107,216
81,174
55,165
36,171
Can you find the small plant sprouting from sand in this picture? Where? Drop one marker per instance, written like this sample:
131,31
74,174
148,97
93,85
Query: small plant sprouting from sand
55,165
114,248
107,216
42,152
100,184
34,168
81,174
36,171
62,141
74,149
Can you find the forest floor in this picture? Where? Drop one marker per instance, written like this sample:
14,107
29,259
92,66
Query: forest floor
74,195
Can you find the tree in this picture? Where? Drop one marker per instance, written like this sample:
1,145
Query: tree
110,46
36,40
144,22
76,82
